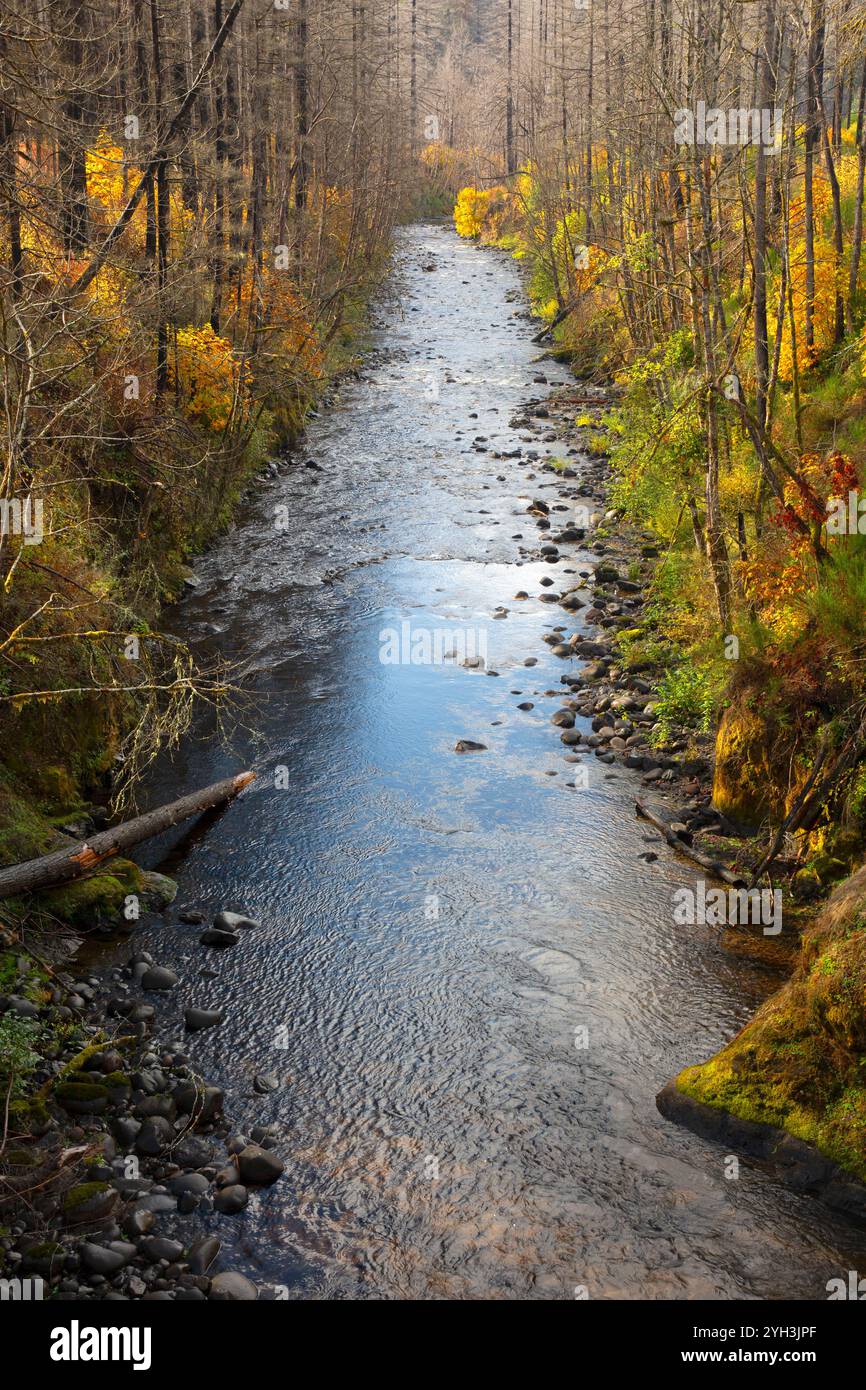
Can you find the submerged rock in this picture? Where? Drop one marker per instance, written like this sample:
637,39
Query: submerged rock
230,1287
196,1019
234,921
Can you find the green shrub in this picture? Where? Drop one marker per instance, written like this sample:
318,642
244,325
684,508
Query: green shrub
685,697
17,1056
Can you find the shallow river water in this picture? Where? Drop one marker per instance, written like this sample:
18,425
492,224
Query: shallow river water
435,926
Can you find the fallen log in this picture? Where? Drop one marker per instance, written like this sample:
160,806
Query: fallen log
706,861
65,865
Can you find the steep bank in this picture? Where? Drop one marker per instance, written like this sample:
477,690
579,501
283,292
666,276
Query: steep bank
798,1068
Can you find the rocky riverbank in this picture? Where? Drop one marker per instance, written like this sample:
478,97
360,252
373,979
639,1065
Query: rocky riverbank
785,1091
607,595
112,1141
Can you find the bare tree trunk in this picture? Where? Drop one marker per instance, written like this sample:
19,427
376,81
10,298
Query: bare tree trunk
857,232
68,864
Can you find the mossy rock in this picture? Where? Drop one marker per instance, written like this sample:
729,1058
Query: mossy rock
800,1065
96,900
828,868
20,1159
118,1086
89,1202
29,1116
744,785
82,1097
157,891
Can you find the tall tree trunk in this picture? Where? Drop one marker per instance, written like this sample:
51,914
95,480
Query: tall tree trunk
73,139
857,231
302,130
163,209
759,299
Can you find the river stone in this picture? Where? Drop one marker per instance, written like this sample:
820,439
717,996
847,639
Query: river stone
83,1208
157,1202
157,891
230,1200
259,1165
465,745
154,1136
156,1248
195,1183
196,1019
202,1254
215,936
24,1008
152,1106
193,1152
571,736
265,1082
137,1221
233,921
264,1135
158,977
205,1102
230,1287
141,1013
105,1259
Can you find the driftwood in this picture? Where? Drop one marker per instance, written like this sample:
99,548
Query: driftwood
67,864
706,861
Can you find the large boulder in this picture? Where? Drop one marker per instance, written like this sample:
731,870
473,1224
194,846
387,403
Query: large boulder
798,1066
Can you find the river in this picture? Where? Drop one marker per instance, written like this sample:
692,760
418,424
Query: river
437,928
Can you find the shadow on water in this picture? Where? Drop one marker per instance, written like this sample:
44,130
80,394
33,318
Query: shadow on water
438,930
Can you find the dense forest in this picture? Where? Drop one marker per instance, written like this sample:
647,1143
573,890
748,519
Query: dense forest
201,211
